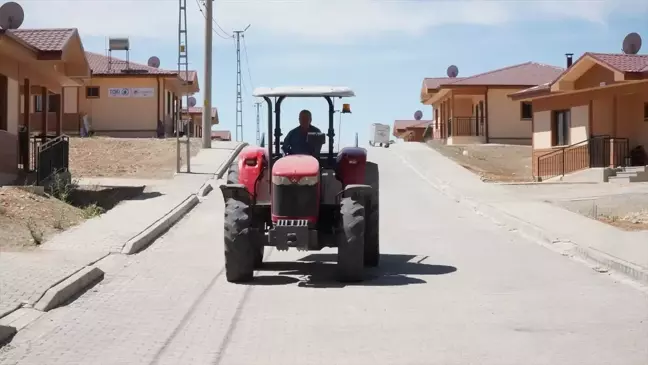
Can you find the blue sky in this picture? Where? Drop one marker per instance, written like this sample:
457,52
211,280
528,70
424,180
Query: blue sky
381,48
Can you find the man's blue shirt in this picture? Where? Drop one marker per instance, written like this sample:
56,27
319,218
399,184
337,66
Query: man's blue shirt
296,143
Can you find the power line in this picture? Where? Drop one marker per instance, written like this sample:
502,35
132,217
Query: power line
200,8
247,63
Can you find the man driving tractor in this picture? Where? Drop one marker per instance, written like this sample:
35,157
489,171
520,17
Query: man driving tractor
296,141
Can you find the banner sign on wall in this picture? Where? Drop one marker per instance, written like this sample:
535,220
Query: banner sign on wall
137,92
142,92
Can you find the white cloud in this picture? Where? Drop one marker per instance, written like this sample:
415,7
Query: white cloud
317,21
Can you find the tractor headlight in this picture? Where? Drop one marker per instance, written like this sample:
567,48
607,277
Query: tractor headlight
306,180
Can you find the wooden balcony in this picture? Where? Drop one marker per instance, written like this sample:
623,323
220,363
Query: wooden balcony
465,126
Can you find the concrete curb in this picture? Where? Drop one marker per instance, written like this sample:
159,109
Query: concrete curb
223,168
566,247
155,230
205,189
69,287
542,236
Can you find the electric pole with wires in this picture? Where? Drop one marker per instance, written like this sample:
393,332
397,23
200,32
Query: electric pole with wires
258,123
183,69
207,104
239,84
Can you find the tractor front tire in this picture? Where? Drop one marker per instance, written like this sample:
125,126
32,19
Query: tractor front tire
233,173
240,248
350,240
372,217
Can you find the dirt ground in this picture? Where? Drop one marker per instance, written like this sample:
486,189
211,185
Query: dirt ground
28,218
630,222
146,158
493,163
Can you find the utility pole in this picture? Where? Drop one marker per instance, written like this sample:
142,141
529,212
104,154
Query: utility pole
183,69
239,84
258,123
207,105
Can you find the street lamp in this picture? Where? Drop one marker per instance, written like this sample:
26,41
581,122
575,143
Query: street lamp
346,109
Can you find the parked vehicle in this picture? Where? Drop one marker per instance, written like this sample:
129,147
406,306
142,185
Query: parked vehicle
379,135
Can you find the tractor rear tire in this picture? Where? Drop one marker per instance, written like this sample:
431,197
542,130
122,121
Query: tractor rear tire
258,253
350,240
240,245
233,173
372,217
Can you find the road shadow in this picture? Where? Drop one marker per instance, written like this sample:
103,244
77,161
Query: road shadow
320,271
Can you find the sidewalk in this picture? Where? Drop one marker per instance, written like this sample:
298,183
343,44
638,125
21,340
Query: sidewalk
560,229
26,276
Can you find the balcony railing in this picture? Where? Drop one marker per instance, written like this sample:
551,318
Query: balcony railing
464,126
598,151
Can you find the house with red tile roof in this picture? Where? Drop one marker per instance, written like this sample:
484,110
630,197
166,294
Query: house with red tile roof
477,109
410,130
221,135
194,115
123,98
42,62
592,115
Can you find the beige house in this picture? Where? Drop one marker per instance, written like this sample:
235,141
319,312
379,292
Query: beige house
593,115
127,99
477,109
43,62
194,115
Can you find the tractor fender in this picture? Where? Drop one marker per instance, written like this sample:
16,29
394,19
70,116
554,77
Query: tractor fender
237,192
350,165
251,162
357,191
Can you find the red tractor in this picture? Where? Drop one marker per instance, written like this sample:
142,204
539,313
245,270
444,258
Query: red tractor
307,202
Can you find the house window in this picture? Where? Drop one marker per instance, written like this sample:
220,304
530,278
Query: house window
526,111
53,105
646,112
38,103
168,103
92,92
560,127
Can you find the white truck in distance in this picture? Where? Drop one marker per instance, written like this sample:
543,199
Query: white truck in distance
379,135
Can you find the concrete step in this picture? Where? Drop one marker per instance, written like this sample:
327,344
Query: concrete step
619,179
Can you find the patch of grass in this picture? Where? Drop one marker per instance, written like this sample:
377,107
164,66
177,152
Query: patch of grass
61,187
92,210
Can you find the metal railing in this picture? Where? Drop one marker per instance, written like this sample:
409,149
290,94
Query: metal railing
598,151
463,126
53,158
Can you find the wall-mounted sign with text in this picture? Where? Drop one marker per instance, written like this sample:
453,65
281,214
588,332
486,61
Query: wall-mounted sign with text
119,92
136,92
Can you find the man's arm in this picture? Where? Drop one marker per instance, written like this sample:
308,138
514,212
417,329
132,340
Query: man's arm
287,146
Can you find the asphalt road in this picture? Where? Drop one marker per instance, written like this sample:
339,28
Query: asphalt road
453,289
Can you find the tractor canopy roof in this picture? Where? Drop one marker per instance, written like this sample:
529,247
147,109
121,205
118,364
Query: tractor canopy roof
304,91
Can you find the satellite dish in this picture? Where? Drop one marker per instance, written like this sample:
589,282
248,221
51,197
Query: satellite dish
191,101
452,71
154,62
418,115
11,15
632,43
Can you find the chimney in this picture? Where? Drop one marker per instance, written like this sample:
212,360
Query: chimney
569,59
